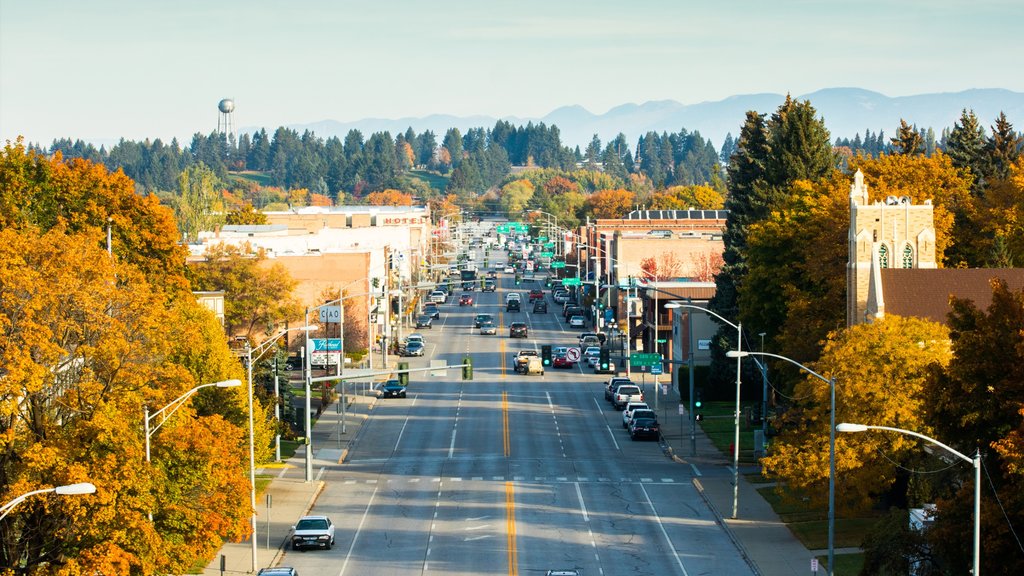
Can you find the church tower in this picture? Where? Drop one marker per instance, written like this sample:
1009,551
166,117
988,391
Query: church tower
890,234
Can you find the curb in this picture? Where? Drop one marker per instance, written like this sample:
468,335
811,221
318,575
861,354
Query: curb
721,522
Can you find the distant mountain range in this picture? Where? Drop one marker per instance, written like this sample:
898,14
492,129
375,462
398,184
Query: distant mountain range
847,112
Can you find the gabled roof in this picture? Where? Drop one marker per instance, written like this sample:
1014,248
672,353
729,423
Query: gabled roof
924,293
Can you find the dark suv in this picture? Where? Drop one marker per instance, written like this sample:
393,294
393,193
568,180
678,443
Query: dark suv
540,307
512,306
518,330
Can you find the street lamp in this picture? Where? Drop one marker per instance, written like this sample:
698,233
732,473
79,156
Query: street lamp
166,412
260,350
976,462
831,443
66,490
736,417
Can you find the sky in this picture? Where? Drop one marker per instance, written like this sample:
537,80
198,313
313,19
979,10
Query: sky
101,70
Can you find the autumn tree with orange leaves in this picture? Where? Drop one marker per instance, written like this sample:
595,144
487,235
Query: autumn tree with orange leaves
86,339
610,203
389,197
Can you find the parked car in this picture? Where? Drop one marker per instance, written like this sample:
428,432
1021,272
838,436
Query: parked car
466,300
540,307
412,348
625,394
571,311
481,318
577,322
313,531
392,389
644,428
488,328
432,310
518,330
627,412
424,321
415,337
560,296
278,571
612,384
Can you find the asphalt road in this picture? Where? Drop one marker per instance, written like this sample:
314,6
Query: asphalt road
510,474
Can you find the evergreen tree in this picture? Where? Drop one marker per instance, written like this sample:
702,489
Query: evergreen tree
453,143
907,141
593,154
728,148
1002,149
966,148
800,143
426,146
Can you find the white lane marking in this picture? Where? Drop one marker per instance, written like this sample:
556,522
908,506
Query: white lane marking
661,526
695,471
320,474
473,539
583,507
451,447
404,424
355,537
612,434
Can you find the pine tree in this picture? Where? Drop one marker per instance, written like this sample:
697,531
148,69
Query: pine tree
908,140
966,148
800,143
1002,149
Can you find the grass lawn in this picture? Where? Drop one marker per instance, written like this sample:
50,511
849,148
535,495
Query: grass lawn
433,179
810,524
288,448
846,564
720,428
261,178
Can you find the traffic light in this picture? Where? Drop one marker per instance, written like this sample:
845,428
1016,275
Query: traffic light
697,415
545,354
376,282
604,359
518,279
403,377
467,370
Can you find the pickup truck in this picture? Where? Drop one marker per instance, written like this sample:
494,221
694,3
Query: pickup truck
609,387
625,394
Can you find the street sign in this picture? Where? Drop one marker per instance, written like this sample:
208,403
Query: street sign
542,238
682,410
549,244
330,314
572,354
558,264
546,254
639,359
571,282
656,369
326,344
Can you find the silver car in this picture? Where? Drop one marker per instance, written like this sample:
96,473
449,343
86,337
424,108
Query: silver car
488,328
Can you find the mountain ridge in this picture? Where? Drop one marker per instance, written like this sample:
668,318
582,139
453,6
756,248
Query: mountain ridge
847,111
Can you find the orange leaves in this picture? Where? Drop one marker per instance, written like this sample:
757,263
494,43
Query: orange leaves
389,197
610,203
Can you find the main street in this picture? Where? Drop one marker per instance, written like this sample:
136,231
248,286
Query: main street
509,474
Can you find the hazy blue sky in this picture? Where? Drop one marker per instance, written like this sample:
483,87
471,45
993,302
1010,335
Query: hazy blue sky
103,69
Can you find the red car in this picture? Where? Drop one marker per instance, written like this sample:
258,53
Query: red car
466,300
562,361
536,294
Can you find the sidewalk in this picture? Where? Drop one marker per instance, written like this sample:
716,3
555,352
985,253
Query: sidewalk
764,540
290,496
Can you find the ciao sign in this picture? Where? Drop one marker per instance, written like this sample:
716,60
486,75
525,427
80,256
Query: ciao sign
330,314
401,221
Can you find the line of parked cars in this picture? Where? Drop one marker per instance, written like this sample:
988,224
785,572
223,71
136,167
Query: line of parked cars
637,416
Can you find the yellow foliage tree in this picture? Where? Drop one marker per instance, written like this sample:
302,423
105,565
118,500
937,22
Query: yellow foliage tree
389,197
880,371
610,203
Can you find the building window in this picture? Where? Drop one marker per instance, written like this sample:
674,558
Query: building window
883,256
908,257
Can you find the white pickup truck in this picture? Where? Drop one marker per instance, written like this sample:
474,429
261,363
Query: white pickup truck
625,394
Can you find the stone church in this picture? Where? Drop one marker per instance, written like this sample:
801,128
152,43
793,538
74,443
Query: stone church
891,266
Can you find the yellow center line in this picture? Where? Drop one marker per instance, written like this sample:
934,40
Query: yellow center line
510,515
502,344
506,439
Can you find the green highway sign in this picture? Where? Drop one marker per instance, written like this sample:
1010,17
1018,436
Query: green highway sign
638,359
546,254
571,281
542,238
558,264
549,244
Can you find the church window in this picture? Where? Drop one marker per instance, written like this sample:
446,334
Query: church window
908,257
883,256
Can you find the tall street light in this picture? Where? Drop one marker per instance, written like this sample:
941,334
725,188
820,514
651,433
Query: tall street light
736,417
66,490
263,348
976,462
831,444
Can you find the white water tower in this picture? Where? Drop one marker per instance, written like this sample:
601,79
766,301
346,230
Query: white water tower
226,121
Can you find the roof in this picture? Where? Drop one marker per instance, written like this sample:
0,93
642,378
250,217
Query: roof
925,293
677,215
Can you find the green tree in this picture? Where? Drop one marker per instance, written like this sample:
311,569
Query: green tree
197,202
515,196
453,143
1002,149
907,140
245,215
966,147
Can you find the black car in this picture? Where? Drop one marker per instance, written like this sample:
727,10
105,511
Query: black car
518,330
392,389
489,286
481,318
644,428
432,311
540,307
512,306
424,321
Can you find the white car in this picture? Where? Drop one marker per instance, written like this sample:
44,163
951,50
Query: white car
313,531
592,352
418,337
627,412
513,296
577,322
510,270
438,297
